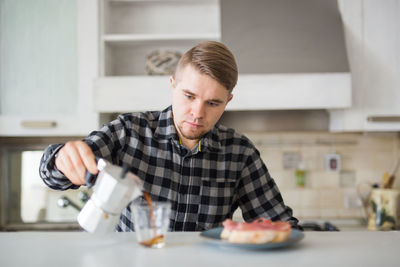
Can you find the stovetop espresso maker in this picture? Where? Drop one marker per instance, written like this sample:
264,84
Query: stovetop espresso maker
114,188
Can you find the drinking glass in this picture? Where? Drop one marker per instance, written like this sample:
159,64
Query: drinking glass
151,222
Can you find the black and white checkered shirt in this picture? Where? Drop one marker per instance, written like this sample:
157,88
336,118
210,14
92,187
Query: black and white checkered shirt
205,185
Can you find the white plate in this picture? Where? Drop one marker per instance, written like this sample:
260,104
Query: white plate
214,236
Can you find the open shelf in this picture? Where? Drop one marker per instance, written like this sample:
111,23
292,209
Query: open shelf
130,30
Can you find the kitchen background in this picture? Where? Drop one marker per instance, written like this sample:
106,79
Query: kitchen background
318,92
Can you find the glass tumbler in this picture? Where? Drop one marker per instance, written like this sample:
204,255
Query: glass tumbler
151,222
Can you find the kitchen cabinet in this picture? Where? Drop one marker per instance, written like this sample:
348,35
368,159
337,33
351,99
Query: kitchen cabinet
131,30
105,72
49,54
372,31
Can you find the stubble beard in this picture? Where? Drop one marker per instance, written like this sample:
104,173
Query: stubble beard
194,136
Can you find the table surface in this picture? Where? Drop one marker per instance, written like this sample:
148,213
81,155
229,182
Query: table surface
121,249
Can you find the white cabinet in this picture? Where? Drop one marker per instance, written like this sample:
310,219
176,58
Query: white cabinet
129,31
132,29
372,31
49,54
47,85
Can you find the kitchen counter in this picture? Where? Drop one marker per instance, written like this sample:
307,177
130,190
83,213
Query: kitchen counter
189,249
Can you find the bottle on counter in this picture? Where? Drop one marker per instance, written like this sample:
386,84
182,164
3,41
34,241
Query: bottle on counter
300,174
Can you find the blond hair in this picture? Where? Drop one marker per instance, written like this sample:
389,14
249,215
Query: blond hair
213,59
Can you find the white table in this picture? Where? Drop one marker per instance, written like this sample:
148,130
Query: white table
57,249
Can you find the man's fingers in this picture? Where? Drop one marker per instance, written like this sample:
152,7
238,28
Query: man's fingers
88,158
73,160
76,160
66,166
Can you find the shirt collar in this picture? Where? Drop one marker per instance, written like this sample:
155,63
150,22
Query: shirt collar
211,141
166,130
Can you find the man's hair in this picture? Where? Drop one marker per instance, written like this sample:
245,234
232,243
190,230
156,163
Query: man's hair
213,59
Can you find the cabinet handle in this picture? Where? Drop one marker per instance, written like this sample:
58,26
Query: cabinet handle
38,124
383,118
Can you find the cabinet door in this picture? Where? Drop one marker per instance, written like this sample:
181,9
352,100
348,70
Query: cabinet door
42,80
372,31
382,62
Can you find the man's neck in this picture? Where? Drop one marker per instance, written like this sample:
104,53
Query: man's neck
188,143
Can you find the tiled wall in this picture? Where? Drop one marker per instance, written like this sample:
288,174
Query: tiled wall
328,194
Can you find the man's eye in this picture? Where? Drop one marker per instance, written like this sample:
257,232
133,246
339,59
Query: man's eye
189,97
212,104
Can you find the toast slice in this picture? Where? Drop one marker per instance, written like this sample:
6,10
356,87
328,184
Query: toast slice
259,231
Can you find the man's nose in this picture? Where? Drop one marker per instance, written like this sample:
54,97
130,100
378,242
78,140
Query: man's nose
198,110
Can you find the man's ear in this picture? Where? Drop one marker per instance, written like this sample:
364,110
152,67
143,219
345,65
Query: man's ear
172,82
230,98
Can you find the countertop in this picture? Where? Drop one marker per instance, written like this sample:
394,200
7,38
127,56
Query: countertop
189,249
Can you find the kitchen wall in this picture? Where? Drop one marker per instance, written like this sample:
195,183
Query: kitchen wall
365,157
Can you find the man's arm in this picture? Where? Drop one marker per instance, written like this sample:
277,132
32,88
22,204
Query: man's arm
258,194
63,166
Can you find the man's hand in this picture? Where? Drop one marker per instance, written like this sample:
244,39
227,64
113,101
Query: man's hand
74,159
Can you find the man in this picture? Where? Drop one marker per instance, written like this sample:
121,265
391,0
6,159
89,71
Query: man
181,153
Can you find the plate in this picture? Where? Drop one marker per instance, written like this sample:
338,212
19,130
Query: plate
214,236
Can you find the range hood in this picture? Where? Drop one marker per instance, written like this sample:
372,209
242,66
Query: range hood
291,54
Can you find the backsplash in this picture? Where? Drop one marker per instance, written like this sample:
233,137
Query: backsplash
327,194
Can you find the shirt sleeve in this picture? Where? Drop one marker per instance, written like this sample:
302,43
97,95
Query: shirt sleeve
258,194
109,141
105,143
49,173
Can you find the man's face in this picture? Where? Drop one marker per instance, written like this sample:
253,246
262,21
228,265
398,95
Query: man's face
198,102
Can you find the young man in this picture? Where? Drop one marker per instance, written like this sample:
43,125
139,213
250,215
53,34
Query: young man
181,153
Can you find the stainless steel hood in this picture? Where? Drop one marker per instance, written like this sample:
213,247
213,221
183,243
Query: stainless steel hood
294,50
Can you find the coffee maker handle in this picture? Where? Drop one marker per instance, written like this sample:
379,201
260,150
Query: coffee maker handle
90,178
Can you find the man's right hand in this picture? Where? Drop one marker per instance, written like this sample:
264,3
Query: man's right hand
74,159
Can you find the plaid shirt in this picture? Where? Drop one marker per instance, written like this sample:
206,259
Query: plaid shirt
205,185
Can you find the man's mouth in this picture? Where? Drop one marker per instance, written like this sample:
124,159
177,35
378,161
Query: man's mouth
194,125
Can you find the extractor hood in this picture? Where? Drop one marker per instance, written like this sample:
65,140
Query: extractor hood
291,54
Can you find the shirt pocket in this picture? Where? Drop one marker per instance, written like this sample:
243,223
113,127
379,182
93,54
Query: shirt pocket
216,201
